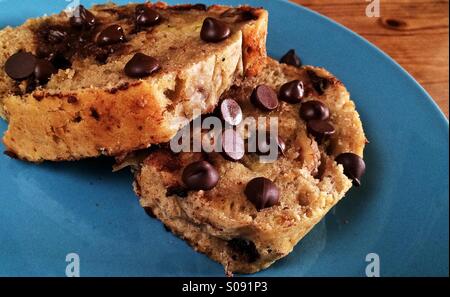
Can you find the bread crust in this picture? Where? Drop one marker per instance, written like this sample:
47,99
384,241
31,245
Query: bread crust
111,120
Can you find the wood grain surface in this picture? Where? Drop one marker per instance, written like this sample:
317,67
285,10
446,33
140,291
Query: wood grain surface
413,32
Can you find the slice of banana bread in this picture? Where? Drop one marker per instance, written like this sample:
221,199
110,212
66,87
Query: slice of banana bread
247,214
113,79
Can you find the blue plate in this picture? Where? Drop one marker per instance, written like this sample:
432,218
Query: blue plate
400,213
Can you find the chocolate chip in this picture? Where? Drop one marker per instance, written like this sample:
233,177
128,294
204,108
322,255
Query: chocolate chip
43,71
320,84
146,16
264,98
61,62
354,166
177,190
82,18
320,128
43,51
233,146
244,248
20,65
214,30
314,110
262,192
141,65
56,35
231,112
60,43
292,92
291,58
200,175
185,7
111,35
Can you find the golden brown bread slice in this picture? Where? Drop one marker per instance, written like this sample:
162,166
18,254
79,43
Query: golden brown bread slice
91,107
222,222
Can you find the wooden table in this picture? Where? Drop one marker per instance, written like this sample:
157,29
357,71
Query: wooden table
413,32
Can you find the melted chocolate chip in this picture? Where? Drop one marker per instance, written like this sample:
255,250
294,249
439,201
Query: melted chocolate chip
291,58
264,98
245,249
56,35
233,146
320,84
292,92
82,18
20,66
59,43
262,192
214,30
111,35
102,57
200,175
354,166
240,14
177,191
31,85
43,71
231,112
61,62
49,36
314,110
141,66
